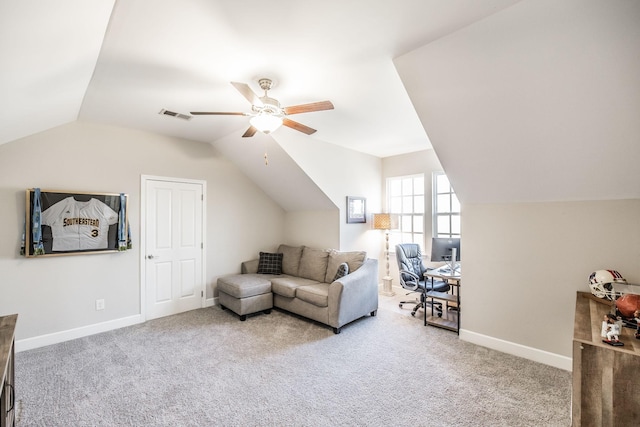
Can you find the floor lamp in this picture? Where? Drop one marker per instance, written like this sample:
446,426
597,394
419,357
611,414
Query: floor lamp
385,221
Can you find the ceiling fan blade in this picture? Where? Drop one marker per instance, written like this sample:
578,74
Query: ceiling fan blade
308,108
249,132
246,91
298,126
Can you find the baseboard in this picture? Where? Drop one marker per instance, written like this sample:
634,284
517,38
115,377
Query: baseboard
71,334
541,356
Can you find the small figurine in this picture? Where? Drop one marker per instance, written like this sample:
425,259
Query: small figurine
611,330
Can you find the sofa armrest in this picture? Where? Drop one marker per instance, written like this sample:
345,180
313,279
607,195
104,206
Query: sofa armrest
354,295
249,267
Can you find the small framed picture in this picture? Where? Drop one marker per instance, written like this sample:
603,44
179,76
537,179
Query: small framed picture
356,209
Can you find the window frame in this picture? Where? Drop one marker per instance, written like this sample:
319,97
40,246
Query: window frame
451,213
417,231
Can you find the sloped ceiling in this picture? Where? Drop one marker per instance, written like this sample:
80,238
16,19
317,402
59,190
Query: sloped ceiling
540,102
48,52
59,64
529,100
282,179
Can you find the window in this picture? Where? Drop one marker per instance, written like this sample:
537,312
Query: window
406,199
446,208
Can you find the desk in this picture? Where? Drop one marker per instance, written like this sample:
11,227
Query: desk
450,299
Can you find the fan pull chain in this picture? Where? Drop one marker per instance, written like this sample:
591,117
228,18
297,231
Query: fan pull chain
266,159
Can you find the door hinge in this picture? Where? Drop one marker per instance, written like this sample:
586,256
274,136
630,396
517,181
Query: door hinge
201,293
202,197
201,245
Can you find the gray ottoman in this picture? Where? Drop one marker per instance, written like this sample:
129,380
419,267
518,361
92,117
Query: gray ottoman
245,294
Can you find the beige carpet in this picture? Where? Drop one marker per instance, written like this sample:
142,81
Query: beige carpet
206,368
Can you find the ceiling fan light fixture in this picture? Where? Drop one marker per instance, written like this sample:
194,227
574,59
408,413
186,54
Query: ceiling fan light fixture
266,123
267,114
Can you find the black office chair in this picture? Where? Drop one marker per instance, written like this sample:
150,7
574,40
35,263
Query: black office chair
412,277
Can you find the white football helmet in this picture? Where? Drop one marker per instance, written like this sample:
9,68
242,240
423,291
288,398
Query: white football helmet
601,283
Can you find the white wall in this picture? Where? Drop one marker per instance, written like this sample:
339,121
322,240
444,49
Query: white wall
313,228
523,264
56,294
341,172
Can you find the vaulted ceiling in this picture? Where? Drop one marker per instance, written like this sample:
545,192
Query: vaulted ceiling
121,62
529,100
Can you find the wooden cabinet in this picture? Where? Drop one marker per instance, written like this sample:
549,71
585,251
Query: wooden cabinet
606,379
7,352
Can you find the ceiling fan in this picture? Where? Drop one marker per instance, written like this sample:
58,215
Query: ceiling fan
266,113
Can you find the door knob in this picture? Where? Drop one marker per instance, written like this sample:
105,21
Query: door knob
150,256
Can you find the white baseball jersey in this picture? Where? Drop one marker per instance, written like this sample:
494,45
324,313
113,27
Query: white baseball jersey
79,225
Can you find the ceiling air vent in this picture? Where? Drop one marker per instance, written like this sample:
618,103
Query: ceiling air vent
174,114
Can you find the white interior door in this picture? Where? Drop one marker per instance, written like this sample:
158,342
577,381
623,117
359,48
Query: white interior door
174,247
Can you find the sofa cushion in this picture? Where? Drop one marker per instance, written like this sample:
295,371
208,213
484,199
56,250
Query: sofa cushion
313,264
270,263
317,294
290,259
287,285
353,259
244,285
343,270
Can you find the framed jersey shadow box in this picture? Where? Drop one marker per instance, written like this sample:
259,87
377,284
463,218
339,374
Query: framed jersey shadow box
66,223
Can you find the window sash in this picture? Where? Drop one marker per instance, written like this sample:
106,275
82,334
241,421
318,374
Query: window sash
446,207
406,198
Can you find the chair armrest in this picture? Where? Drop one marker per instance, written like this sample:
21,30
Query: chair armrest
413,276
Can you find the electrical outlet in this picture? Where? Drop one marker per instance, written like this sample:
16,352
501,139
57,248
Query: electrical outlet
99,304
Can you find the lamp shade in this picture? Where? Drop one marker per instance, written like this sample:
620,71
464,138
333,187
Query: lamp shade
385,221
266,123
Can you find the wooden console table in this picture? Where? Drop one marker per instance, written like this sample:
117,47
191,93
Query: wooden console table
7,352
606,379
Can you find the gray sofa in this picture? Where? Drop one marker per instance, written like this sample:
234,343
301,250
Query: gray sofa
305,285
